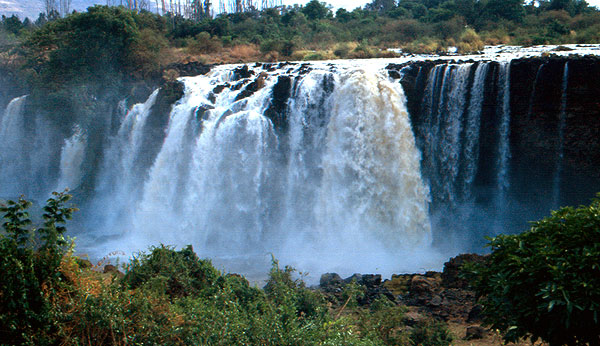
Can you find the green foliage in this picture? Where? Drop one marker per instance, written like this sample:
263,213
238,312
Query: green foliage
166,297
94,48
316,10
430,333
204,43
545,283
292,297
30,267
174,273
385,321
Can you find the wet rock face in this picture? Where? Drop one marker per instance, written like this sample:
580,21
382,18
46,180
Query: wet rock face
537,101
10,86
277,109
540,97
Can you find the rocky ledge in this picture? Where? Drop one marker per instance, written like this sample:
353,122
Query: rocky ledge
444,296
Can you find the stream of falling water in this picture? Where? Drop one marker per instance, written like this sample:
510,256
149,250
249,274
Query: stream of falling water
316,164
340,190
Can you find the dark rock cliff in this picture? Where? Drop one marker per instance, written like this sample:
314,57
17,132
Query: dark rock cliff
539,148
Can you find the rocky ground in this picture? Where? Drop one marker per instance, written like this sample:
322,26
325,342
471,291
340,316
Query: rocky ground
443,296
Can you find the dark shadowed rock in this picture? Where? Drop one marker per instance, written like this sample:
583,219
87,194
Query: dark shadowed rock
331,282
193,68
475,333
242,72
277,110
451,274
355,277
476,314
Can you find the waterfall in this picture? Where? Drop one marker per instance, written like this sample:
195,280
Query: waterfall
372,184
319,164
446,104
119,180
344,174
504,128
534,89
71,158
562,123
473,123
12,139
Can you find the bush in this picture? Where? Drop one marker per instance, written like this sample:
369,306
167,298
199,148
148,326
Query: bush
431,333
204,43
545,283
175,273
30,263
469,42
168,297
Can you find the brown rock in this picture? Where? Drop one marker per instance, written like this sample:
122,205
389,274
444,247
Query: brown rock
420,285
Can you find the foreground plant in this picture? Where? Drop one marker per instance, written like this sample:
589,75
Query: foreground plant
168,297
545,283
30,261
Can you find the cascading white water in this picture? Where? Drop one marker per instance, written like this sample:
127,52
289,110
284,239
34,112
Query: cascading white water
341,189
371,188
451,128
118,180
445,127
309,115
71,158
473,124
315,163
11,141
504,129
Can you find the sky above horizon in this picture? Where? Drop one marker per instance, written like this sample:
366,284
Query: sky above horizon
32,8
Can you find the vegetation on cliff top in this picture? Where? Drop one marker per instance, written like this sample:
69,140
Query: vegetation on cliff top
102,53
142,41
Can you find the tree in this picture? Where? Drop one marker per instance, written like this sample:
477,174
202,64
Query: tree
315,10
84,46
381,6
65,6
545,283
574,7
50,6
504,9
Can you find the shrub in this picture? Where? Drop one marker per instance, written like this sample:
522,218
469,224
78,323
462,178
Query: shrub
469,42
431,333
30,264
204,43
341,50
545,283
175,273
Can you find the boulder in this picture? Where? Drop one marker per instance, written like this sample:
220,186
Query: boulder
451,275
331,283
475,333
